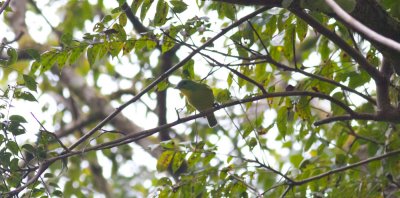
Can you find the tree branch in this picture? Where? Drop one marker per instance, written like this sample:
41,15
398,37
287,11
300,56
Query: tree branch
4,6
359,58
344,168
353,23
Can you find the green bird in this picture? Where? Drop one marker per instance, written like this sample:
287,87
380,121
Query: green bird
200,96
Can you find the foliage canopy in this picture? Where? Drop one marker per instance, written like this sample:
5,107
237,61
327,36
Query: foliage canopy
307,98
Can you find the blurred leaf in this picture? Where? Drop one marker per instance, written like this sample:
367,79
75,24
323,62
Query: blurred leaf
47,60
34,54
145,7
17,118
66,38
178,6
75,53
161,15
25,95
123,19
13,147
178,159
252,143
281,121
12,56
296,160
135,5
188,70
164,160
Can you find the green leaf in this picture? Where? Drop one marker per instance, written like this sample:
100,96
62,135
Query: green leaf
17,118
178,6
29,148
75,54
35,66
163,85
223,96
145,7
164,181
169,144
310,142
13,56
14,179
230,79
252,143
5,158
48,59
106,19
13,147
247,132
121,34
92,53
135,5
62,59
193,159
25,95
161,15
115,47
150,44
16,128
301,29
66,38
208,158
303,108
57,193
48,175
188,70
164,160
34,54
30,82
358,79
168,41
228,10
128,46
281,121
179,158
14,164
296,159
288,42
123,19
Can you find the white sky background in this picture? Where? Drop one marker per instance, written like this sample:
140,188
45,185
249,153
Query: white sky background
38,29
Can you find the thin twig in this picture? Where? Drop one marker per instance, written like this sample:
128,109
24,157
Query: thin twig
50,133
286,191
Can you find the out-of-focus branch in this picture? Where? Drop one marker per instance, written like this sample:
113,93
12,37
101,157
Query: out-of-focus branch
369,33
77,124
137,25
4,6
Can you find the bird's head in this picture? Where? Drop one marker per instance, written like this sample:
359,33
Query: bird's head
186,85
